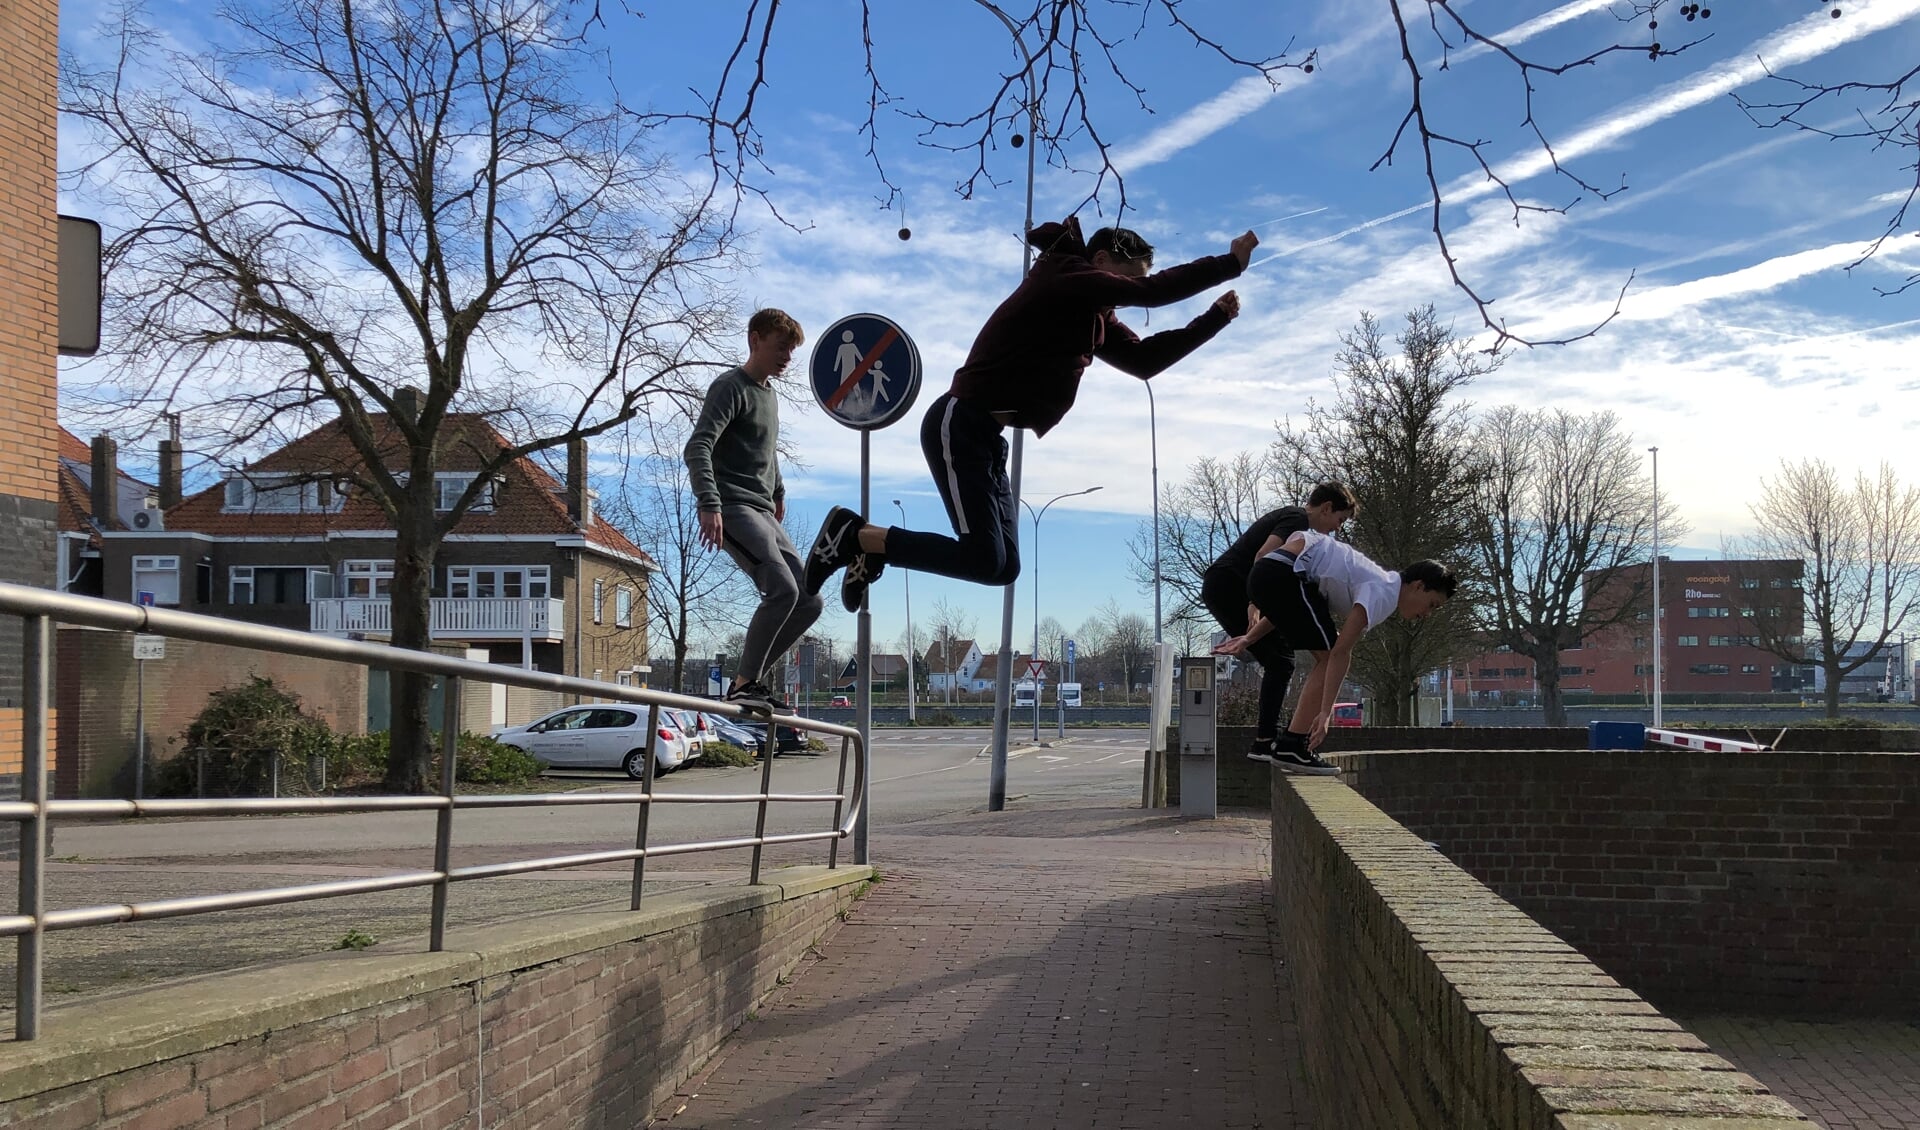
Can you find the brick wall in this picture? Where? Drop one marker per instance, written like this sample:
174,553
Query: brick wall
95,688
29,439
1781,882
1429,1002
561,1022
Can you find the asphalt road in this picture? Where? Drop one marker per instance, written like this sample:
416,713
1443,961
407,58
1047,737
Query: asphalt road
919,774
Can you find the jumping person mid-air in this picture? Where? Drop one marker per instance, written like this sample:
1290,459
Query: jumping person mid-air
1024,371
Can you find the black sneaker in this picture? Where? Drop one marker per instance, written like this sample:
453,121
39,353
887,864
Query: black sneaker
1301,761
837,544
862,571
754,695
1261,750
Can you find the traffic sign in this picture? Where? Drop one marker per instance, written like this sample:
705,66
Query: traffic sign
149,647
865,371
1069,651
1036,669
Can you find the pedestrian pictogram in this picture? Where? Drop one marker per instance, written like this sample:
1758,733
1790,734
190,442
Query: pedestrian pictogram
866,371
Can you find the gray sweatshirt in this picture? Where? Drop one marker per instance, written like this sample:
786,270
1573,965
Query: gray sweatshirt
731,456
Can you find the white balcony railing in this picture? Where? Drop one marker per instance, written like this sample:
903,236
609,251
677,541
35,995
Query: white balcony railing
477,618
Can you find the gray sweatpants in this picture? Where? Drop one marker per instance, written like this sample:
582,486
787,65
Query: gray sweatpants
758,543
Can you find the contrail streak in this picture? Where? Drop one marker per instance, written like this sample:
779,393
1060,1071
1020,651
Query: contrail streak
1295,216
1360,227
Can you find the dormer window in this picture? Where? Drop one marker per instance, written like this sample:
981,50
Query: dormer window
448,486
268,493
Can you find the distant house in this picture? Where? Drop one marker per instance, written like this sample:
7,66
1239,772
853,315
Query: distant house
122,503
531,575
889,673
987,672
951,664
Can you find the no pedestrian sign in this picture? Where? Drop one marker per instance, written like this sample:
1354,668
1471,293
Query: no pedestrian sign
865,371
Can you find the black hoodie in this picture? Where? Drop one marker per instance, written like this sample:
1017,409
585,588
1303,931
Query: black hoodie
1028,358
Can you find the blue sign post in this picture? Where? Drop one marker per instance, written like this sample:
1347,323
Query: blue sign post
866,375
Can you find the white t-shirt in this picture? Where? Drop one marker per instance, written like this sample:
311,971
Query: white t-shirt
1348,577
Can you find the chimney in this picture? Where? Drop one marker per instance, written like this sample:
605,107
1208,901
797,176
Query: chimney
106,482
579,504
170,468
406,402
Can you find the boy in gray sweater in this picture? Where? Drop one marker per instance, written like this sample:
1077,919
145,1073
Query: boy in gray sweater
735,469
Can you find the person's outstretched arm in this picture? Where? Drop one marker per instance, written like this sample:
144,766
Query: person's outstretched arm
1148,357
1338,660
1163,288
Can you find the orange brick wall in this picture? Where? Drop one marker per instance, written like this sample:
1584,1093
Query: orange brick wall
29,333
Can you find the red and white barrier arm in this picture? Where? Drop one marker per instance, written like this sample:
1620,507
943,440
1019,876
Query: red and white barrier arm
1698,741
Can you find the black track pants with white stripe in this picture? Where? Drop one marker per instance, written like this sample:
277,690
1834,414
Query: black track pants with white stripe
968,457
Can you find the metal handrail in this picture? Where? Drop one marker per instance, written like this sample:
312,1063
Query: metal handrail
39,609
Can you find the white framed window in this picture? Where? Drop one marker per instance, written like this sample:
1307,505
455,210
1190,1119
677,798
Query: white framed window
622,607
470,582
240,584
159,576
279,493
366,580
448,486
321,585
599,598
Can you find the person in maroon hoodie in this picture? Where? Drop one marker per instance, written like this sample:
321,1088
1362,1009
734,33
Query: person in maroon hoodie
1023,371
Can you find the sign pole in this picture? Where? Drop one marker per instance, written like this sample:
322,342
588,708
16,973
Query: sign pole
140,730
863,700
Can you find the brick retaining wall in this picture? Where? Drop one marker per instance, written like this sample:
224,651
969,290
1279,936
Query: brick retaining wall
555,1021
1427,1001
1778,882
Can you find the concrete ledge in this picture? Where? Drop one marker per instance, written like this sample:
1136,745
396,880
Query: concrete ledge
89,1040
1459,1009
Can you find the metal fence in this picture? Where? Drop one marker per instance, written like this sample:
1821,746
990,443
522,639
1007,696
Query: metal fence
40,609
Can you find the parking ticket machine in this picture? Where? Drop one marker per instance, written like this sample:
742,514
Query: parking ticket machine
1199,725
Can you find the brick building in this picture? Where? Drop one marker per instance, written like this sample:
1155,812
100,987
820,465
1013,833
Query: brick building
29,332
1711,613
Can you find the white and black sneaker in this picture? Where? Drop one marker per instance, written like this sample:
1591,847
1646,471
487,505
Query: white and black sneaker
862,571
755,697
1291,755
1261,750
837,544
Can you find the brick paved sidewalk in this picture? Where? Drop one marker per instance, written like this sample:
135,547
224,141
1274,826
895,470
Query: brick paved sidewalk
1848,1074
1065,967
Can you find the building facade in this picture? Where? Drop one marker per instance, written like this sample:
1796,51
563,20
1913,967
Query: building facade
29,333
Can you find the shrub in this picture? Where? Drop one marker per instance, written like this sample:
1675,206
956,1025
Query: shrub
726,753
242,729
483,761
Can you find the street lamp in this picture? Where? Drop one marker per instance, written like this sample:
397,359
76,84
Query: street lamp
906,579
1153,445
1041,513
1003,691
1658,627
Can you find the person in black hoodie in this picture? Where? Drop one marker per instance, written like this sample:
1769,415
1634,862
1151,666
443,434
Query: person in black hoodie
1023,371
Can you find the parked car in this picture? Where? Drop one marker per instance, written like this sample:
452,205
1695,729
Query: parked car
841,700
694,725
736,733
788,739
1345,714
599,737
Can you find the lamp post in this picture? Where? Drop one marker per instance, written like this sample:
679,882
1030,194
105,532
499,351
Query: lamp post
1003,689
906,578
1037,515
1153,446
1658,627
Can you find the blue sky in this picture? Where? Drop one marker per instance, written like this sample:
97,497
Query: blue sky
1741,341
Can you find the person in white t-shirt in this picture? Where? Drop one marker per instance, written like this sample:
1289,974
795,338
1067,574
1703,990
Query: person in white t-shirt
1296,586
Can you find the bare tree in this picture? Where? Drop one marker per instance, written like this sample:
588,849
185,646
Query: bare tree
1860,549
1126,640
1200,516
1399,434
337,198
949,625
1564,509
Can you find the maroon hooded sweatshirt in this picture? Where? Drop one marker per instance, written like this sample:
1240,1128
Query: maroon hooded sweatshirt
1029,356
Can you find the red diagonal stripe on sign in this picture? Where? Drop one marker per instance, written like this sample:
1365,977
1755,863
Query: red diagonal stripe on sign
866,363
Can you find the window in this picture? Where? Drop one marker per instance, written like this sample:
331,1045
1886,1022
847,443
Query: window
1489,672
320,584
1749,668
367,580
599,598
1516,672
1643,668
1747,612
1639,643
159,576
263,584
1643,616
1749,582
465,582
622,607
1576,669
263,493
1687,641
1786,582
447,489
1709,668
240,584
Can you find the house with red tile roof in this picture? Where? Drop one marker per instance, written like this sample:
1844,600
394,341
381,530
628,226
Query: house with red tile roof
84,513
530,574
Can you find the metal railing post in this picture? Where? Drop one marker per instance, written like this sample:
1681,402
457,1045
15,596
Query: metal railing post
443,820
840,790
29,956
200,773
646,808
274,773
766,786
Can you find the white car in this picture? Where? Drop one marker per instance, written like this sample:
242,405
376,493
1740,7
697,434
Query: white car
699,733
600,737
